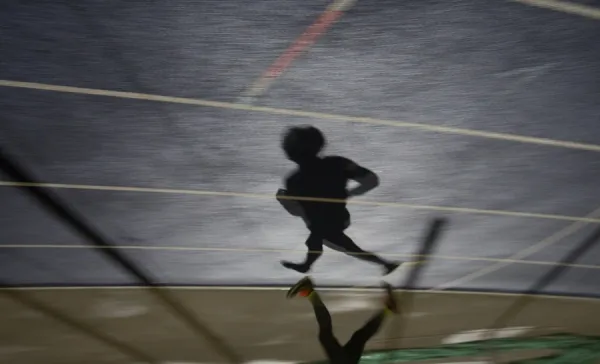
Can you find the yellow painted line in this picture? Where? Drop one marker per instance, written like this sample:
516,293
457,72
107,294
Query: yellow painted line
270,250
520,255
565,7
306,114
465,210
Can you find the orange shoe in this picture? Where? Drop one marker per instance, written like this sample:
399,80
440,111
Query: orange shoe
303,288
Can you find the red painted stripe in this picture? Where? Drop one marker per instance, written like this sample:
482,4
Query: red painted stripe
303,42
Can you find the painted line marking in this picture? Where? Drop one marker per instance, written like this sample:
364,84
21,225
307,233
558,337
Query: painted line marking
564,7
483,334
270,197
543,244
305,114
272,250
299,46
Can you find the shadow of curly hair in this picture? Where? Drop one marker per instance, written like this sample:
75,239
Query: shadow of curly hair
302,143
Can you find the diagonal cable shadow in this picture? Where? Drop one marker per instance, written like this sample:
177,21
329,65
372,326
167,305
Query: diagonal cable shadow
86,329
427,246
54,205
552,275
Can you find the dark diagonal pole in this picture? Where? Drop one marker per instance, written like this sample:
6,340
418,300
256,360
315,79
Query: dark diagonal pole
25,299
552,275
427,246
53,204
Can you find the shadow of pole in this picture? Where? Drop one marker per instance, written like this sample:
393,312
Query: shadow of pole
405,298
54,205
86,329
553,274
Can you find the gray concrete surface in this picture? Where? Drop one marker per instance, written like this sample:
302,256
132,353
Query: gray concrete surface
499,66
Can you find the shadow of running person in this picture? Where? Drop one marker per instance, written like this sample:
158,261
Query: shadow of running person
324,177
352,351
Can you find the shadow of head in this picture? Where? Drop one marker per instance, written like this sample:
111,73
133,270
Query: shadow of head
302,144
